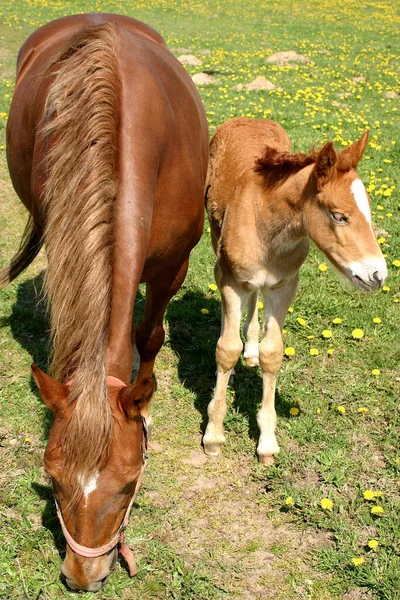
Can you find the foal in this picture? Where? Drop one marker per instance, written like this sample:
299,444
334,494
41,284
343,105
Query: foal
264,204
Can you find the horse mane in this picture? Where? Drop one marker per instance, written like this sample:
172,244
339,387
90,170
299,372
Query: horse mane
79,130
276,166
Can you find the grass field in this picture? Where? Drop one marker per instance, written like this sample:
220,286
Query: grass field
210,530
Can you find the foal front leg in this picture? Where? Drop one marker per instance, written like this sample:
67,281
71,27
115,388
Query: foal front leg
229,348
276,303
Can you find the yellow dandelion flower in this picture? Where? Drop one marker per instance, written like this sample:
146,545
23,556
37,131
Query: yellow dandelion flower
290,309
369,495
260,305
310,337
330,351
205,311
387,161
289,351
362,409
337,321
212,287
318,410
294,411
376,372
373,544
381,240
396,263
289,501
341,409
357,334
377,510
28,439
377,320
323,267
386,288
357,561
301,321
314,351
327,333
326,504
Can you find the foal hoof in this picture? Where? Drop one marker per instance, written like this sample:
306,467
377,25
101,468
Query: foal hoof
252,361
213,449
266,460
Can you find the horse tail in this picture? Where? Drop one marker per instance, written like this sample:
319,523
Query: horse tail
29,248
80,129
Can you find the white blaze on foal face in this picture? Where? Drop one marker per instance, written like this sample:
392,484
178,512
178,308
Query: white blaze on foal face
361,198
88,485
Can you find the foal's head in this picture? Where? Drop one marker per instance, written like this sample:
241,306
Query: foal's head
339,217
93,505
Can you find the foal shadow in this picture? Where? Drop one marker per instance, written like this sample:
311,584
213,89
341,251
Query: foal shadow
193,337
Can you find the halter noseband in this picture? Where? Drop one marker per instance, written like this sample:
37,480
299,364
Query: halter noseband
119,537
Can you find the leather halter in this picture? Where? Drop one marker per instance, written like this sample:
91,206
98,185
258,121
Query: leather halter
119,537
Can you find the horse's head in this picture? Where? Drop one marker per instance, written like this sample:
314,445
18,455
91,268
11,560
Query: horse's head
339,216
94,507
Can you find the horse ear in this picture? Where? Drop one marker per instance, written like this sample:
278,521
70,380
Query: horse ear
325,165
351,156
53,393
136,396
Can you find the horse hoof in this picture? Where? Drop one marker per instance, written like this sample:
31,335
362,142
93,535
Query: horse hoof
213,449
266,460
252,361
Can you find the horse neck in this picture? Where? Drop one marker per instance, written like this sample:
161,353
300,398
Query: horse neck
281,218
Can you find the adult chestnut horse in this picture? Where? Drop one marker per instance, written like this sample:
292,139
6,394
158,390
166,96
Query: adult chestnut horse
264,204
107,147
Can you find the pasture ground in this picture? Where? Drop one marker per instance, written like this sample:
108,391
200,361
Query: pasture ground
207,529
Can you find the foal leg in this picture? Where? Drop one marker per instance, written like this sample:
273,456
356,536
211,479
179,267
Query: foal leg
251,330
149,335
229,348
277,303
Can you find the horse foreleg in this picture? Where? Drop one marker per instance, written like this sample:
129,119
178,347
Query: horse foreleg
277,303
251,330
229,348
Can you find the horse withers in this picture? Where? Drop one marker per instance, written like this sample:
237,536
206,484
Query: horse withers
264,204
107,147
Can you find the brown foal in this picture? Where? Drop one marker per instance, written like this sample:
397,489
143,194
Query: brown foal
264,204
107,146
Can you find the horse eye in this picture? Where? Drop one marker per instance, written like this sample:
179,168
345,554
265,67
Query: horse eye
339,217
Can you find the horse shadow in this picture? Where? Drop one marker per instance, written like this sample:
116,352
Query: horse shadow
193,336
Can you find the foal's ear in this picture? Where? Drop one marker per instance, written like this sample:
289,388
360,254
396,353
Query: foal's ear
53,393
351,156
325,165
136,396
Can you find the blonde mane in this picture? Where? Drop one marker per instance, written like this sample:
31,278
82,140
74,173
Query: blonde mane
80,134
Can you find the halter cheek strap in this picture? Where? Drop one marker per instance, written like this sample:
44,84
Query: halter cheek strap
119,537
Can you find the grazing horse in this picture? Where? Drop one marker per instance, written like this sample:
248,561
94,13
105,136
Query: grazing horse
107,146
264,204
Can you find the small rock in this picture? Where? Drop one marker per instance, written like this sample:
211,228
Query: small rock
205,52
204,79
391,95
190,59
259,83
359,79
283,58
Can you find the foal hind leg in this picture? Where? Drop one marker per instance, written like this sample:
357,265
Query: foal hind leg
149,335
251,329
229,348
277,303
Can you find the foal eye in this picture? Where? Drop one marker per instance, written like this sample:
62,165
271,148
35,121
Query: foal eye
339,217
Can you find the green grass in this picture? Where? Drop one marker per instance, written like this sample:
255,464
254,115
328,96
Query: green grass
208,529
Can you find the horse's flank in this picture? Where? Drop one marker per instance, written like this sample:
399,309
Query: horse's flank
80,130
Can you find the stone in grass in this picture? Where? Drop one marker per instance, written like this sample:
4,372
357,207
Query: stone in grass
392,95
259,83
284,58
359,79
204,79
190,59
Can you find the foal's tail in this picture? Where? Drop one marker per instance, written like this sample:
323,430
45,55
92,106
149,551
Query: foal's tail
30,245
